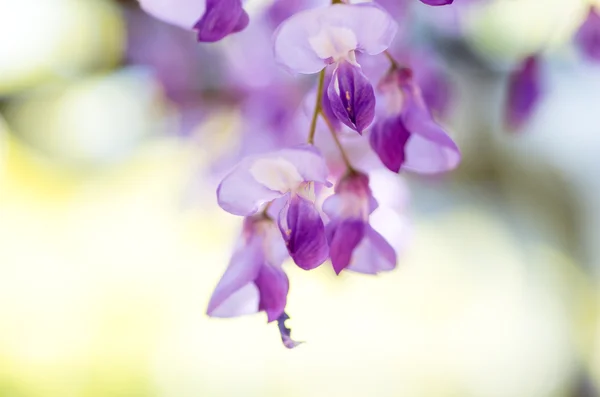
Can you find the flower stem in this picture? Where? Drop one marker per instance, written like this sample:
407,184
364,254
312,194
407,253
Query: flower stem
338,144
313,121
395,64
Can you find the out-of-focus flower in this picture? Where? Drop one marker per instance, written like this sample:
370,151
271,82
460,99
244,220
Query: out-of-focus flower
221,18
254,280
524,92
310,40
289,177
353,243
407,136
211,19
588,35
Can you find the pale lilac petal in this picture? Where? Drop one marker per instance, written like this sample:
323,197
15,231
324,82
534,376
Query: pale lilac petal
222,17
236,294
273,286
373,255
183,13
343,236
351,97
429,150
291,45
239,193
375,29
389,137
524,93
308,161
260,179
304,233
588,35
310,39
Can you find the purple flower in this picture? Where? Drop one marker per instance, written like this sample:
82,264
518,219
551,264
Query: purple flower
212,19
408,137
588,35
524,92
288,176
310,40
254,280
222,18
437,2
353,243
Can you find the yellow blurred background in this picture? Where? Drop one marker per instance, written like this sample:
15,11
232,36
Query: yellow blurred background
111,240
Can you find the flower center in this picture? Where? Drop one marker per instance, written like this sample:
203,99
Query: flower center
334,43
276,174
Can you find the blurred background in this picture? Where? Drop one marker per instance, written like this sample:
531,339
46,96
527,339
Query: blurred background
115,129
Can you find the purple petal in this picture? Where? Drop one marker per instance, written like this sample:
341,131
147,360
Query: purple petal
588,35
310,39
437,2
260,179
222,17
388,139
183,13
326,105
430,150
236,294
304,233
351,97
373,255
273,286
524,93
343,237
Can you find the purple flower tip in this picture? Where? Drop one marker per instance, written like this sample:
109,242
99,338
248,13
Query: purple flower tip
588,35
524,92
221,18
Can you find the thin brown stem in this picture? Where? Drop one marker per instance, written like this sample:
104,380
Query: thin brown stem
338,144
395,64
313,121
265,211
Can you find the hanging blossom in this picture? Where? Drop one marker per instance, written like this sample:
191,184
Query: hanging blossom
254,280
524,92
588,35
331,37
353,243
287,177
406,136
211,19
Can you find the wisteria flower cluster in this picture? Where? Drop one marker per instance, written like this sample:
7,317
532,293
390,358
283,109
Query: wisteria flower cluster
284,193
